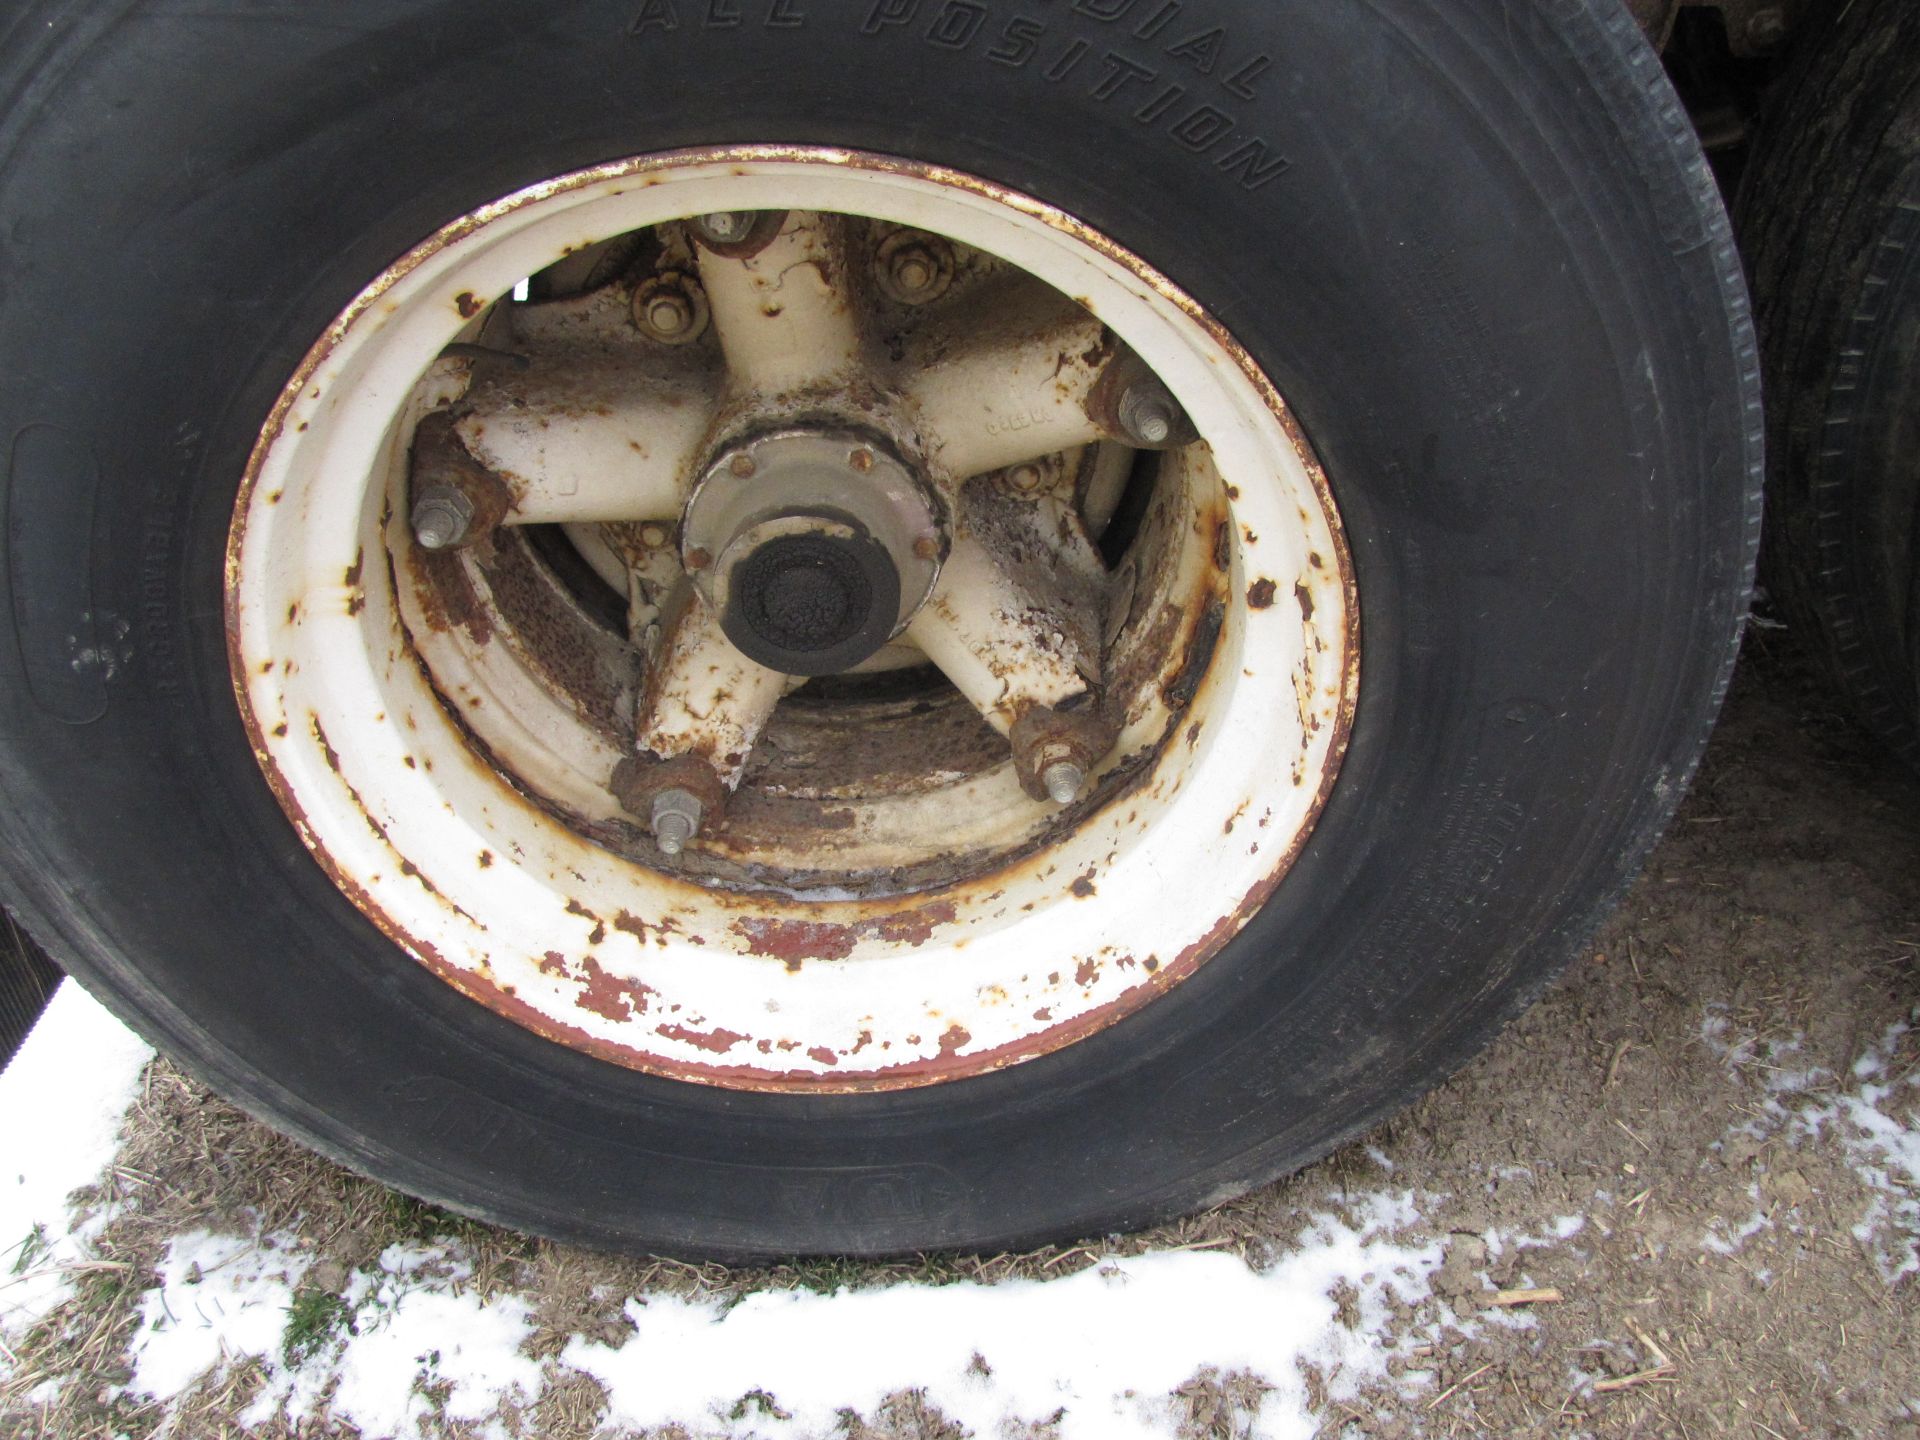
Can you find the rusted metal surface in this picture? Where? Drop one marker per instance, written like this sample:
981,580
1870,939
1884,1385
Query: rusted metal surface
912,267
766,228
1185,593
593,436
1043,737
837,470
671,308
702,696
439,458
638,779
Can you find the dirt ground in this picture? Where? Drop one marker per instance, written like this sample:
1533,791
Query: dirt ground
1677,1128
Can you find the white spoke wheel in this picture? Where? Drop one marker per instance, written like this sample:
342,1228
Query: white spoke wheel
1014,657
885,904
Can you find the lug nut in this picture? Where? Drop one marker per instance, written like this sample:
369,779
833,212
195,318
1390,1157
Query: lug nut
1766,29
669,315
671,309
1063,780
914,268
914,271
1149,414
676,820
442,517
725,227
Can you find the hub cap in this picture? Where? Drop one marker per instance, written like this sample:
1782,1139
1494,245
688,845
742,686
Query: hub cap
815,546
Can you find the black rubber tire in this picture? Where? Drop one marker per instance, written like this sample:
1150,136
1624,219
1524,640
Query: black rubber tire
27,981
1476,246
1830,217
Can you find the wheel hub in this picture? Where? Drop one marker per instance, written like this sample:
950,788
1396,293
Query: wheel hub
812,594
815,546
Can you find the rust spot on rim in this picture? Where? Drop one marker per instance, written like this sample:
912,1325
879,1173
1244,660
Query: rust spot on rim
718,1041
609,996
797,941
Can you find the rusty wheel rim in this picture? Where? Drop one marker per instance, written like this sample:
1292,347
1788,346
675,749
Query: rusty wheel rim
455,781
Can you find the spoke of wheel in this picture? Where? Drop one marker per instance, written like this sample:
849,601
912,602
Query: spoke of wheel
1007,378
592,439
703,697
1004,641
785,317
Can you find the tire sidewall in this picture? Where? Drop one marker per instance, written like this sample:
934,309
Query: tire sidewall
1505,320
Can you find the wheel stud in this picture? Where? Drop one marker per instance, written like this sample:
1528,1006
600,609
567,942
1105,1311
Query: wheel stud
676,819
725,227
670,309
1054,751
1063,780
1149,414
913,268
442,517
669,315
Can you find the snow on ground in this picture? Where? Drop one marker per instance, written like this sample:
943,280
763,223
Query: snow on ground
1106,1345
61,1103
1098,1352
1877,1123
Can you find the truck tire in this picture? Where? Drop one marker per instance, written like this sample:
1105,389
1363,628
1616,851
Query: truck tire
1830,215
27,981
1425,343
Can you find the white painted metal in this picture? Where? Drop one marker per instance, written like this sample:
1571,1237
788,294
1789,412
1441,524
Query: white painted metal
750,988
606,437
703,696
783,316
998,642
1007,380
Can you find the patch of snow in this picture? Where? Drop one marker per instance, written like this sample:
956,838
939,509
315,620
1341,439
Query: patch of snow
218,1298
436,1349
63,1098
1879,1124
1747,1051
1565,1227
1722,1240
1102,1348
406,1338
1713,1026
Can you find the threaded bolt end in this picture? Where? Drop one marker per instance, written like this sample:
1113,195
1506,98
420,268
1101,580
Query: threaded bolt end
676,820
1149,414
1063,780
726,226
442,517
